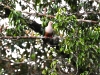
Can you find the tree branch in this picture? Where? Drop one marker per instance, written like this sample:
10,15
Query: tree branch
89,21
79,20
52,41
89,12
21,37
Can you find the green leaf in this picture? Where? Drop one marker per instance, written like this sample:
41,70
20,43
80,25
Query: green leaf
0,0
91,60
53,64
33,56
44,72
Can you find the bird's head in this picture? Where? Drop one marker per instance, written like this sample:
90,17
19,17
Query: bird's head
50,23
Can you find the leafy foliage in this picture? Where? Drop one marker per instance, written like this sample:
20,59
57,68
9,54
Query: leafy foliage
79,46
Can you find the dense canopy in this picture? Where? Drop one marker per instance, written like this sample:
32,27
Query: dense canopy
74,48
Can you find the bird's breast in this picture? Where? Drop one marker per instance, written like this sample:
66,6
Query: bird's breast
49,29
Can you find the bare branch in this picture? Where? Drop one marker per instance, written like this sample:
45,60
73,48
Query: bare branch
89,21
21,37
89,12
26,37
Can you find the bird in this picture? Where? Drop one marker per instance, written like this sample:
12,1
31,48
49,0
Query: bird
50,36
48,33
49,30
